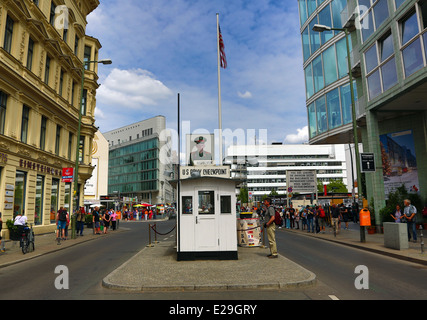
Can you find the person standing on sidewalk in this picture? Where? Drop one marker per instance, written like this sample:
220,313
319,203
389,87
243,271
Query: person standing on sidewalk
80,221
95,220
397,214
335,217
269,224
410,213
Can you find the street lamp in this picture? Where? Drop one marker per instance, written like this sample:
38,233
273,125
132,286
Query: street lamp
76,169
322,28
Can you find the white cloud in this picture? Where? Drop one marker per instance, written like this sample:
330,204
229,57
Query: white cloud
246,95
132,89
99,114
300,137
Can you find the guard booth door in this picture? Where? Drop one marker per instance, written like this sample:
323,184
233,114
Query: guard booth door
206,224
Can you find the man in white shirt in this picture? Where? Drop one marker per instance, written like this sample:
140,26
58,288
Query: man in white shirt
20,221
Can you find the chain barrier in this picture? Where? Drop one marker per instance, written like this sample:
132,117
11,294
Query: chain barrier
154,228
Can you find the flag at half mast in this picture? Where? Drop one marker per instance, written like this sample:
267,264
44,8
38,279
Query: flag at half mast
223,58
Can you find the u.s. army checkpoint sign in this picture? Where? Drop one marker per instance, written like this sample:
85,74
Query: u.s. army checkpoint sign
205,171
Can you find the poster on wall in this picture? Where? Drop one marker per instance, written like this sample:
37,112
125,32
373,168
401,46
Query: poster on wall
200,149
399,161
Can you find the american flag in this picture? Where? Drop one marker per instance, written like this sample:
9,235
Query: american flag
223,58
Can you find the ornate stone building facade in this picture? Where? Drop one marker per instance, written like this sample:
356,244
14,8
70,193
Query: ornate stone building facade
43,47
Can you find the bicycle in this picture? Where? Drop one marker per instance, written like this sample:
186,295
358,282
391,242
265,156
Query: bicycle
27,239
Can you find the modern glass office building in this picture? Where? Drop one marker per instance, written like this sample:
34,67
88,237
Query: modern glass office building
326,72
138,160
389,55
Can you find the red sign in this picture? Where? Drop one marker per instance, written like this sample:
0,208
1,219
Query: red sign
67,174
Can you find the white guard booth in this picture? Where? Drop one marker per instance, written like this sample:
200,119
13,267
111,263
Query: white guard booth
206,221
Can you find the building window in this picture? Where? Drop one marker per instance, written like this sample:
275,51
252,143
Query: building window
322,122
47,70
65,34
380,12
374,84
334,109
398,3
330,65
325,18
24,123
319,82
52,14
312,120
81,149
8,34
381,66
84,102
61,82
87,55
76,45
374,13
67,197
314,36
58,139
309,81
409,28
73,92
341,48
38,217
346,107
43,133
70,145
30,54
306,44
3,102
54,197
19,193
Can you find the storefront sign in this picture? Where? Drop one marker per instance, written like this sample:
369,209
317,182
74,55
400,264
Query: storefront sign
67,174
26,164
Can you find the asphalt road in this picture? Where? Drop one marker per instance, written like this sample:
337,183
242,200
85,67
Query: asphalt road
88,263
335,267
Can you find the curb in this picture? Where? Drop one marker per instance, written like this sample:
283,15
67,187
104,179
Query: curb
108,282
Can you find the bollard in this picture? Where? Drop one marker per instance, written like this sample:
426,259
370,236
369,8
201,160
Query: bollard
155,233
149,237
422,239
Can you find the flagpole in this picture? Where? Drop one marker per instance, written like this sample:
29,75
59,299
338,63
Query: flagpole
219,92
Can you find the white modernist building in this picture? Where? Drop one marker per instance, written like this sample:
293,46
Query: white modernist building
264,166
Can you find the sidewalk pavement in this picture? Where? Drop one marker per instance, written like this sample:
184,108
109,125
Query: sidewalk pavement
248,272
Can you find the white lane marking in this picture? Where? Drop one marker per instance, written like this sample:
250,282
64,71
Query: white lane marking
332,297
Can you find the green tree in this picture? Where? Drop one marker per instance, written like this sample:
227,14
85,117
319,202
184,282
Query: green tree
333,186
243,195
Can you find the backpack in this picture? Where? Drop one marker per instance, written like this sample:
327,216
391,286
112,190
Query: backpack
322,213
277,218
62,215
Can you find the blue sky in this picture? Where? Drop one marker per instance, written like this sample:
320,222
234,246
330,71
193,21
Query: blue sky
161,48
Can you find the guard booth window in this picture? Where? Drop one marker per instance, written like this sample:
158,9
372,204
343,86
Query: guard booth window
187,205
206,202
225,204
